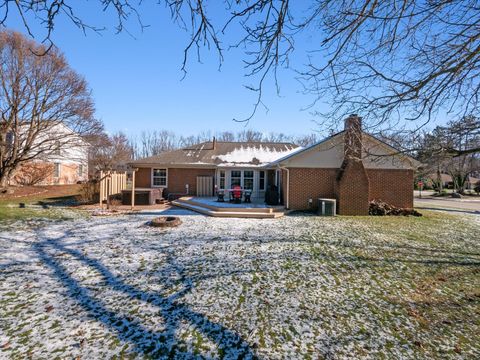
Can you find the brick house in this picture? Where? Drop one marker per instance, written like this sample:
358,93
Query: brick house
65,158
350,166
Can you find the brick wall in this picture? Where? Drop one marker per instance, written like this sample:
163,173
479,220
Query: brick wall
352,188
143,178
69,173
394,186
308,183
355,189
177,178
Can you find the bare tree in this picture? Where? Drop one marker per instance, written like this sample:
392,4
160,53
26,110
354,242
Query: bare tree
249,136
152,143
387,60
451,149
186,141
110,152
44,104
226,136
306,140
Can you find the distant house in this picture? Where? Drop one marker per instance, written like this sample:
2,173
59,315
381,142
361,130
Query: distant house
64,160
350,166
447,181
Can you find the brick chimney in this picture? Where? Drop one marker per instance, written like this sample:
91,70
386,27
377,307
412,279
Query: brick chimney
352,187
353,137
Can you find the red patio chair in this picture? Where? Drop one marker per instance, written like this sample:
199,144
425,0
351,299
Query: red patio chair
237,193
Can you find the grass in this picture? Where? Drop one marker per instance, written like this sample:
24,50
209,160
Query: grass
296,287
44,205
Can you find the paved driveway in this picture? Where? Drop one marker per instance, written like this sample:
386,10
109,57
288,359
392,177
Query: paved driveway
449,204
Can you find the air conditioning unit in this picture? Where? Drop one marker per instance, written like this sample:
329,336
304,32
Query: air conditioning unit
327,207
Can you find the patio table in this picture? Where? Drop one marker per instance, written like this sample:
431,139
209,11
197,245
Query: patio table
244,193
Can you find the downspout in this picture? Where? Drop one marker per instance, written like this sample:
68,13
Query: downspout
287,202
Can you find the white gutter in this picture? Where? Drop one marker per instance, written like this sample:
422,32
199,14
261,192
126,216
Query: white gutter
288,185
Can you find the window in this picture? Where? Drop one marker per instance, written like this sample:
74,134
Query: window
159,177
9,139
56,170
80,170
222,180
57,149
236,178
248,179
261,180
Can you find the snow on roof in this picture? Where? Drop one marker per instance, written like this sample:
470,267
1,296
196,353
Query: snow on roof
255,154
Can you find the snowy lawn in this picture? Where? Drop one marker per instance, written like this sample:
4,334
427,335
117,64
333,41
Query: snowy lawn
295,287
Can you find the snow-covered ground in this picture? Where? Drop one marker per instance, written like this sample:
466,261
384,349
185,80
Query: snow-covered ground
295,287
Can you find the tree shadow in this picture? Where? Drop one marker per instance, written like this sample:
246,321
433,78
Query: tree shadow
58,201
173,311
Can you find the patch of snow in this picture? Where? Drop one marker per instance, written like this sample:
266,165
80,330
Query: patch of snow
254,154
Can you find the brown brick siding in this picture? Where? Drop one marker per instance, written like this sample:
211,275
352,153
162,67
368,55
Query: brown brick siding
394,186
177,178
68,174
352,189
307,183
390,185
143,178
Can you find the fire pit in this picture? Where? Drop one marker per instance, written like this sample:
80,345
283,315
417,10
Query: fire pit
165,221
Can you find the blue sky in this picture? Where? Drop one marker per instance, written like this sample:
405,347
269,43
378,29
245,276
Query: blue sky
136,82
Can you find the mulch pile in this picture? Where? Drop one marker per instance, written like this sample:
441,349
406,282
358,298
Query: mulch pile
381,208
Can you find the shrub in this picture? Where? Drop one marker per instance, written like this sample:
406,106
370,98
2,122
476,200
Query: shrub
477,188
30,174
90,191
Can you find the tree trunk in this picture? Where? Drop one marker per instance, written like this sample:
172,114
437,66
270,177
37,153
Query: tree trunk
439,181
4,177
462,183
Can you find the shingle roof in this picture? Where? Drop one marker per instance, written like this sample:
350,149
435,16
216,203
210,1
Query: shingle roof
411,160
222,154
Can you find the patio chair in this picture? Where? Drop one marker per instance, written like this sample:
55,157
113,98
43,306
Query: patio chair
237,194
220,196
248,197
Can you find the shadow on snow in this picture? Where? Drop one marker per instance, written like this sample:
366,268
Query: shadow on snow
145,341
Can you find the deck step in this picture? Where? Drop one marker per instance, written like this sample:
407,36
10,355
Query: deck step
190,200
231,214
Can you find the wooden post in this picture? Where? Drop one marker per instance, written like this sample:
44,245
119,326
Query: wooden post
133,188
109,184
101,189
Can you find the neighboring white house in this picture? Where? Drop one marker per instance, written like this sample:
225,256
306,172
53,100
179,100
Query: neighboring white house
64,162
